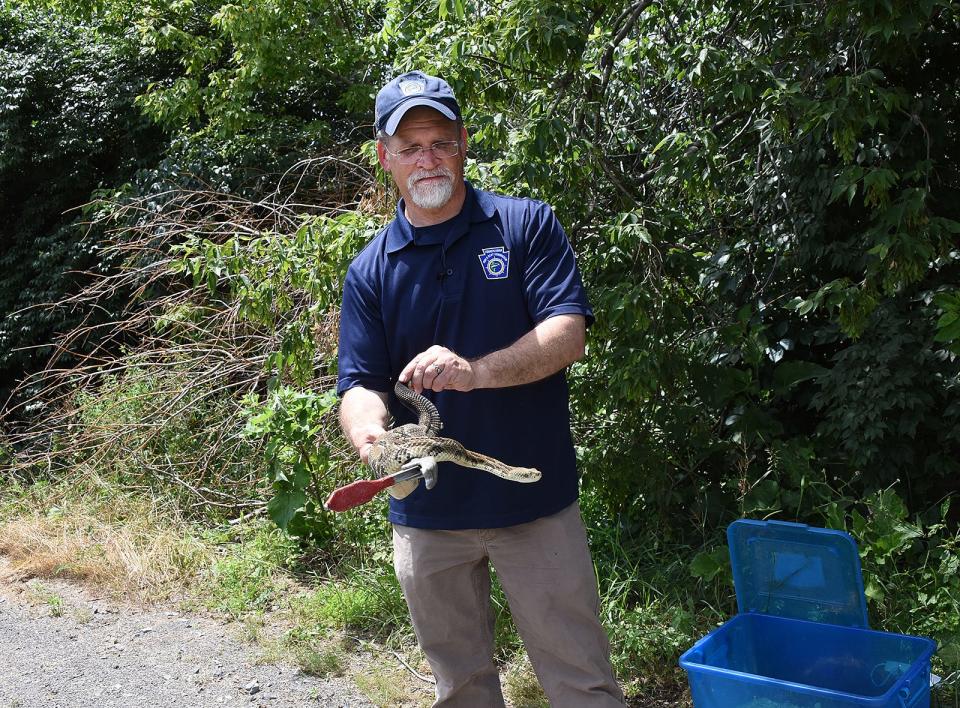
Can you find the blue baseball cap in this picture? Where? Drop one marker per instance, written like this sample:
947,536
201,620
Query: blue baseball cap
413,89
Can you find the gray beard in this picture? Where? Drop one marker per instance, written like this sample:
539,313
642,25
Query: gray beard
430,196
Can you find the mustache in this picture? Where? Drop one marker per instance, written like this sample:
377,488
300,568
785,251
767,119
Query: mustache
438,171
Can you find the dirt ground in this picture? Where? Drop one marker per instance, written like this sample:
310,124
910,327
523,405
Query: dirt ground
62,646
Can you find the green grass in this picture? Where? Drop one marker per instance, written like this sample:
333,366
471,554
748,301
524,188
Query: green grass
251,572
42,594
367,600
520,685
320,661
651,605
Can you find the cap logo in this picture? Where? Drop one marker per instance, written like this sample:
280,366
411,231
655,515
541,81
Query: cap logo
495,262
410,87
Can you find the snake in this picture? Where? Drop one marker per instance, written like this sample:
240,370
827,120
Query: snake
403,443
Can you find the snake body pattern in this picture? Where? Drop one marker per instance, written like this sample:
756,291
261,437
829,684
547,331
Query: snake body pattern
403,443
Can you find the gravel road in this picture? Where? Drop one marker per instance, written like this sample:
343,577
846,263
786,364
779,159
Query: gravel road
62,647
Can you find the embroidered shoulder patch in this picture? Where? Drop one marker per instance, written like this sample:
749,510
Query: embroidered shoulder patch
495,262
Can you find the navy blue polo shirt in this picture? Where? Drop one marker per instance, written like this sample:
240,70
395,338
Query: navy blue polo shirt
474,284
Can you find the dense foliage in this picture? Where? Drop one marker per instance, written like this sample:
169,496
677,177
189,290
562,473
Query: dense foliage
764,200
67,127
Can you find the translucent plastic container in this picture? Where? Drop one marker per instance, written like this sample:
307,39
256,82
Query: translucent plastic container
801,639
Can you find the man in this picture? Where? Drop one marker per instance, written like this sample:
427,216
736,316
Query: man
475,300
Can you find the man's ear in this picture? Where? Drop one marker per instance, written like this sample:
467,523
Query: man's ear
463,139
382,156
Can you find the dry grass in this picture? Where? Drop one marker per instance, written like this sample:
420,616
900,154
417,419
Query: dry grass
520,685
389,685
123,544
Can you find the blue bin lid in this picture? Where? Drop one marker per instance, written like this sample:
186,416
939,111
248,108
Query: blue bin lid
797,571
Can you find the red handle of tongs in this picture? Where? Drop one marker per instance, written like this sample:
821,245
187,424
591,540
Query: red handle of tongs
356,493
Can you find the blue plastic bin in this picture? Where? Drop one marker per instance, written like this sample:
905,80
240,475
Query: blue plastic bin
801,639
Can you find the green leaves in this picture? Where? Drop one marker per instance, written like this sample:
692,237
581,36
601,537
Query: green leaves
288,283
446,8
289,420
243,67
790,373
288,501
709,565
948,324
67,128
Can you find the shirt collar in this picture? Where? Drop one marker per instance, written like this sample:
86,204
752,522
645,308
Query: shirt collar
477,207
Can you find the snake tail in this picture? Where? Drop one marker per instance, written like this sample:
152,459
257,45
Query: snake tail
427,413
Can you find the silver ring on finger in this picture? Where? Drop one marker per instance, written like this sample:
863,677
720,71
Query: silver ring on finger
438,368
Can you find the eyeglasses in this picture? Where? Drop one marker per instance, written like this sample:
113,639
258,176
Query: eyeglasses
407,156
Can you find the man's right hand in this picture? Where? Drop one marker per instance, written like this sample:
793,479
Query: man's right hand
363,441
363,417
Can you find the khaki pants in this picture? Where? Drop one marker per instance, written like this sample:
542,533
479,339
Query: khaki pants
547,574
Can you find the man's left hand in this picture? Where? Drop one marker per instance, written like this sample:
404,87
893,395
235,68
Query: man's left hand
439,369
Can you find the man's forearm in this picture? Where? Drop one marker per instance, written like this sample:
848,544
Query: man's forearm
551,346
363,417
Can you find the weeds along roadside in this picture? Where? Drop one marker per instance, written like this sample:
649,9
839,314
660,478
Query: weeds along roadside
137,546
291,600
155,533
315,605
301,606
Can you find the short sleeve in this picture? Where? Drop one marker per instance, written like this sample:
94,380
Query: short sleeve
362,355
551,278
